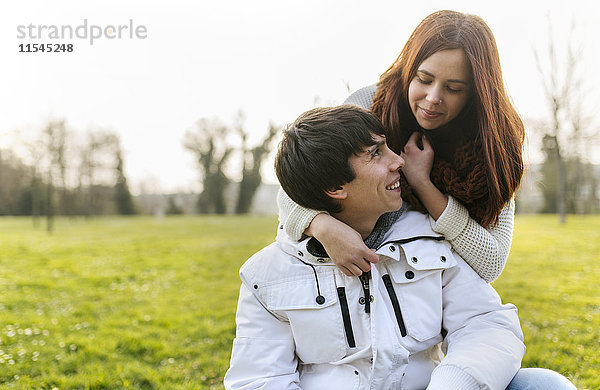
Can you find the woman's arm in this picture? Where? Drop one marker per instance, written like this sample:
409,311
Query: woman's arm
343,244
294,218
485,250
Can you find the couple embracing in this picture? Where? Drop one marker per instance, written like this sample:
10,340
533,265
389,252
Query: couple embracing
396,212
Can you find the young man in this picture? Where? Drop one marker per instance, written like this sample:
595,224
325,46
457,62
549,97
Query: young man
303,324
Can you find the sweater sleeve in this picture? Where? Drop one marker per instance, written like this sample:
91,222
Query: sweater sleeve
485,250
363,97
294,217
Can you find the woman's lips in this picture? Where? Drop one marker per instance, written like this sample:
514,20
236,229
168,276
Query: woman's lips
430,114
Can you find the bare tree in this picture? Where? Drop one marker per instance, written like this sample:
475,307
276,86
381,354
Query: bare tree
99,157
252,159
208,141
36,154
15,194
567,132
123,198
54,141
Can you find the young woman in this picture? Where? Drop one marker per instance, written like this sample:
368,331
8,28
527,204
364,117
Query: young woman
445,108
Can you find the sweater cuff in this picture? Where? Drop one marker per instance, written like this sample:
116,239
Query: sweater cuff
298,221
453,220
451,378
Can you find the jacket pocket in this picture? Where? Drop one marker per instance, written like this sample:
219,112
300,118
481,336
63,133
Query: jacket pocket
314,315
417,278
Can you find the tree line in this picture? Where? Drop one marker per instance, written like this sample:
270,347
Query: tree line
64,172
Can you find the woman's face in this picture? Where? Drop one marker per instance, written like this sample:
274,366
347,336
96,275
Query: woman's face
441,88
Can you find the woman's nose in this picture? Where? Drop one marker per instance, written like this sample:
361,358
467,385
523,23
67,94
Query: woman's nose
434,96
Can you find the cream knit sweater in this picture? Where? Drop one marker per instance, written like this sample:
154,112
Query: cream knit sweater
485,250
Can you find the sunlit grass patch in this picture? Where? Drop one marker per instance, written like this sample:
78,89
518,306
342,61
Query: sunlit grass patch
113,303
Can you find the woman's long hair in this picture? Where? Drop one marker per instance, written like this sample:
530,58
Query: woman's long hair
498,133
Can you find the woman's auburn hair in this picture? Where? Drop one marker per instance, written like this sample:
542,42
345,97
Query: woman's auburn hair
499,132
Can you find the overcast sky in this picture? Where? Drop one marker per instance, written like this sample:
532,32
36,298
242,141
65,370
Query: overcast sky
271,59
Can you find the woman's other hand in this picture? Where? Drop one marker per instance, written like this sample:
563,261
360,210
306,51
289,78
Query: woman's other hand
417,170
418,157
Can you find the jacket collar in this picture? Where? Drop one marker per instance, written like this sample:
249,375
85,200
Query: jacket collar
411,226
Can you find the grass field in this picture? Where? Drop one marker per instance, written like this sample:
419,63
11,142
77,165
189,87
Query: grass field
149,303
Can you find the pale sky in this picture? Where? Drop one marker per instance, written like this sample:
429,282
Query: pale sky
271,59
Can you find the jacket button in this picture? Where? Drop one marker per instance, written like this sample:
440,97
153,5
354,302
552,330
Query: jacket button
355,372
320,260
320,299
443,259
256,286
361,300
392,248
409,274
414,260
300,253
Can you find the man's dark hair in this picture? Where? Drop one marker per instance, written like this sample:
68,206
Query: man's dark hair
313,154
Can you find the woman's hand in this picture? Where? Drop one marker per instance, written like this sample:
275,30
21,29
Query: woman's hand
343,244
417,160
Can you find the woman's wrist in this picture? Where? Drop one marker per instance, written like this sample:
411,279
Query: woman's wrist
432,198
318,226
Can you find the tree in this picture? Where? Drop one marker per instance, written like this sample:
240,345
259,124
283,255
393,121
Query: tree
123,198
566,136
252,159
36,154
208,141
99,157
14,185
54,141
173,208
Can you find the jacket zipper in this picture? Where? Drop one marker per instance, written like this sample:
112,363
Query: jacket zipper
364,278
394,298
346,317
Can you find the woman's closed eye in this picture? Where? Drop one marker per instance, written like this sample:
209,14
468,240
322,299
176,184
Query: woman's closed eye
453,89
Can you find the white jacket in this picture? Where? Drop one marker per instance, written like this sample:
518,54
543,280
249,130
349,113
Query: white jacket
302,324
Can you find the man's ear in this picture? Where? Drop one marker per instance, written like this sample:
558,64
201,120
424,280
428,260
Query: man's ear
339,193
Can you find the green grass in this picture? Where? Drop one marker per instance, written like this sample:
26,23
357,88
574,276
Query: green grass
552,276
149,303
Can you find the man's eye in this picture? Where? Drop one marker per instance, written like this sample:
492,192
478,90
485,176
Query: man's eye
375,153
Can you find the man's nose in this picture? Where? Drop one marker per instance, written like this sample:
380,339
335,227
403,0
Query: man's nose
397,163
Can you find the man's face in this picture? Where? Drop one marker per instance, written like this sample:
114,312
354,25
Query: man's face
376,188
